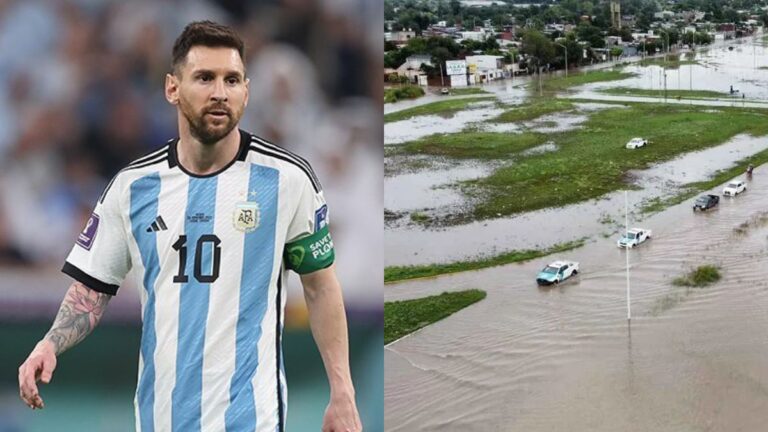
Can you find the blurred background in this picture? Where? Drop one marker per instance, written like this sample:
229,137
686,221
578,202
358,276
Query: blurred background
81,95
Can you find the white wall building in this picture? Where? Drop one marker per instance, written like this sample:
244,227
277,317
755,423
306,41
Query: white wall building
485,67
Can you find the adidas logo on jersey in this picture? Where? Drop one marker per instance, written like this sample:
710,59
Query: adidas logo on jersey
157,225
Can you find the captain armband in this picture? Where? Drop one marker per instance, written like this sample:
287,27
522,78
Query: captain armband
311,253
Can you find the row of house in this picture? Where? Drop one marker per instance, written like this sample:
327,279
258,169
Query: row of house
471,70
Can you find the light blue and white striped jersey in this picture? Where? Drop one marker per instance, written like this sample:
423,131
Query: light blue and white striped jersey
212,254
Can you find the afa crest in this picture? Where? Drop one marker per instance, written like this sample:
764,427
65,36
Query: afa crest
247,216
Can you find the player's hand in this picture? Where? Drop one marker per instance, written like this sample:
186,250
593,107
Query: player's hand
38,366
341,415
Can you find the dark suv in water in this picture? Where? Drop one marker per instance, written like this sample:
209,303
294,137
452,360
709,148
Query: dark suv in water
706,202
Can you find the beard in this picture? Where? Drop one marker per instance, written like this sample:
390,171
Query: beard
208,130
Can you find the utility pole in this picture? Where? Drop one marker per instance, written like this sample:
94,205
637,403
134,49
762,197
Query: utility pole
566,57
442,83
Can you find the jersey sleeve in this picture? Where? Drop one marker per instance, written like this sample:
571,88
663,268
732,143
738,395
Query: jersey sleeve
100,258
309,246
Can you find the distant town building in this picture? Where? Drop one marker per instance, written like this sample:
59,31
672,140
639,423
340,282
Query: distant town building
485,67
400,37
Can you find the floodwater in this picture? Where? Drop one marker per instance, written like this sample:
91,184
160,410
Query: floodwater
420,126
564,358
406,244
717,70
429,189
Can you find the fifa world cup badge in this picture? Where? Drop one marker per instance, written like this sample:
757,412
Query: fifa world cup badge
246,217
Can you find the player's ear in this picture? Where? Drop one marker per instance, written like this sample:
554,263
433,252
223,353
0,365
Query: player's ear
172,89
247,81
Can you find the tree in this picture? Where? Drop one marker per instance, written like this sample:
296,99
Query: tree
591,34
539,47
626,34
616,52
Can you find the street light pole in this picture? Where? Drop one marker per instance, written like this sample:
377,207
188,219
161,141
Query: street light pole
566,57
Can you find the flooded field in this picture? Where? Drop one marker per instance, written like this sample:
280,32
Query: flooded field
565,358
406,243
418,127
549,359
716,69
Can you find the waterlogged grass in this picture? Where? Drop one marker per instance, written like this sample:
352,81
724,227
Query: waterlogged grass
399,273
699,277
592,161
419,217
475,145
686,94
394,94
560,83
537,107
442,107
672,62
406,316
461,91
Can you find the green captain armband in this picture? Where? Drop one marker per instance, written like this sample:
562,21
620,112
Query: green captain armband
311,253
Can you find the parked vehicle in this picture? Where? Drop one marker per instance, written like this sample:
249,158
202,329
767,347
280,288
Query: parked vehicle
557,272
636,143
706,202
734,188
634,237
444,91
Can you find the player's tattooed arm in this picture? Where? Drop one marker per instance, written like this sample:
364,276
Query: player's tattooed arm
78,315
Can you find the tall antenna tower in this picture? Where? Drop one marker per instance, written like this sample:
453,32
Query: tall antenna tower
615,14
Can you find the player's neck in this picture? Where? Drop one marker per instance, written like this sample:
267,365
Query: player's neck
201,159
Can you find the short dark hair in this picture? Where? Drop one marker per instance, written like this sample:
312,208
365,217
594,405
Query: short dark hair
205,33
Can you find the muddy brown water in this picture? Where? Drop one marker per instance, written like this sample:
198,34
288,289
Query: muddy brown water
564,358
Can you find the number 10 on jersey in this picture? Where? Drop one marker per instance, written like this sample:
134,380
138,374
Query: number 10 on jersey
200,249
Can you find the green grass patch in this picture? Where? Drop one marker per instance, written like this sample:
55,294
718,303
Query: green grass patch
559,83
537,107
699,277
406,316
419,218
473,145
394,94
399,273
592,161
686,94
763,68
672,62
462,91
448,106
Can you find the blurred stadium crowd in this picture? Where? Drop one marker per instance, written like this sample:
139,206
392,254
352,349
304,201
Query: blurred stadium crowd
81,95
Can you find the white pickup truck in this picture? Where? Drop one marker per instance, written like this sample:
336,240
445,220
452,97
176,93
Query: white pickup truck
634,237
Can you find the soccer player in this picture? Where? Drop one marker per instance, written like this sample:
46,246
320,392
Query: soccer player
213,220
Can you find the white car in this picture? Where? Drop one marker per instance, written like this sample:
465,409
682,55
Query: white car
734,188
634,237
635,143
557,272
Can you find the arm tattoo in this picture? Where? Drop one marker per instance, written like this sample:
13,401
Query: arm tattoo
78,315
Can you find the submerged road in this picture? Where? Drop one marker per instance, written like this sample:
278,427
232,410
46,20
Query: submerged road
564,358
